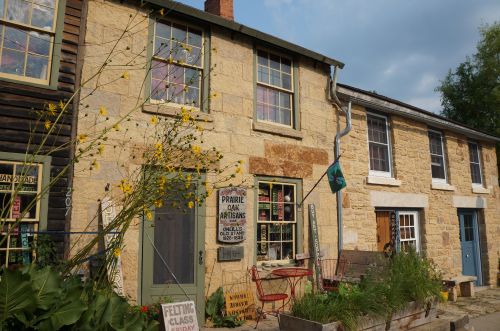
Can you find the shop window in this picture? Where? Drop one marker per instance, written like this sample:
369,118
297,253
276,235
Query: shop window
275,89
177,67
475,164
27,39
408,231
277,221
379,146
397,229
436,147
22,212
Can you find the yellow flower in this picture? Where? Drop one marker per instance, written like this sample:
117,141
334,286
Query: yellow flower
154,120
116,127
196,149
149,215
81,138
47,124
103,111
125,187
100,149
238,170
240,161
52,109
162,11
125,75
190,204
95,165
117,252
158,203
61,105
162,180
158,150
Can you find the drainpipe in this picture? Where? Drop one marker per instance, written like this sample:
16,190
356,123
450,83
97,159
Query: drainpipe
336,102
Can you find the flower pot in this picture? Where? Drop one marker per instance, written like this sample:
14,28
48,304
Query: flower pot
292,323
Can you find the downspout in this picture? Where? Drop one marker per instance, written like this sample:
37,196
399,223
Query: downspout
336,102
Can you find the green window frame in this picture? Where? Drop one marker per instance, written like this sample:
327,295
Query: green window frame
278,221
16,247
178,71
276,88
30,41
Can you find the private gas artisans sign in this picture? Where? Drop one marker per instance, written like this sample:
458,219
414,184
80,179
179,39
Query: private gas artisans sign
180,316
232,214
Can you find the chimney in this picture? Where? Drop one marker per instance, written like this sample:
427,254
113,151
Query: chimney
222,8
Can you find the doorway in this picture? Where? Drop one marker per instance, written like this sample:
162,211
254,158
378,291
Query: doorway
173,254
469,244
397,230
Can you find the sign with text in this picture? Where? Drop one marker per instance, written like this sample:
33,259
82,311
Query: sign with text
115,273
180,316
232,214
315,245
241,304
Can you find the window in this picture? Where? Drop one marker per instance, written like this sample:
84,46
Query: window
20,183
277,221
475,164
436,148
378,145
27,32
177,64
408,230
274,89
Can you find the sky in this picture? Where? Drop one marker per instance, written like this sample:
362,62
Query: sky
398,48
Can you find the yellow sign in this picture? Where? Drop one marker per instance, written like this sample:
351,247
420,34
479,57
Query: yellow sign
241,304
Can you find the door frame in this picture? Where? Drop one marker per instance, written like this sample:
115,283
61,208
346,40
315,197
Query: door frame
397,211
200,219
477,243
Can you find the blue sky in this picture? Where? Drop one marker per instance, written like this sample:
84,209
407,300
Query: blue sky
400,49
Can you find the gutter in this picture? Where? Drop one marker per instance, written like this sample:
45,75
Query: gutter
240,28
347,111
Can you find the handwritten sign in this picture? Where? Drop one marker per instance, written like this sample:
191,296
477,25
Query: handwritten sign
232,214
241,304
115,271
180,316
315,245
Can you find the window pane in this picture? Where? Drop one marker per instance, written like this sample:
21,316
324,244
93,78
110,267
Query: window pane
2,6
435,144
377,130
159,70
193,56
46,3
262,58
15,38
163,30
37,66
260,111
162,48
12,62
179,33
178,53
42,17
192,97
39,43
18,11
194,37
275,78
263,74
379,158
192,77
274,61
286,81
286,66
473,153
285,100
475,173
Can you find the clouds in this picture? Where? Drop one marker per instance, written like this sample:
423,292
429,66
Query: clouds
401,49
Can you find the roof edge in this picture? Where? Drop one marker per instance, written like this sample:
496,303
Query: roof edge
237,27
386,104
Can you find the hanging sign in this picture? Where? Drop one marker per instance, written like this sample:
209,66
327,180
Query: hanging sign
232,214
115,270
180,316
315,245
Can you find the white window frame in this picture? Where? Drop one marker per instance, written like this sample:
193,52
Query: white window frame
478,148
445,179
295,223
416,226
291,91
376,173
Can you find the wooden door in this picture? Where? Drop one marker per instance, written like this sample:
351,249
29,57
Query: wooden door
383,229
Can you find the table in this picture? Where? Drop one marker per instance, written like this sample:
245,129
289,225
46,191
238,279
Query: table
293,276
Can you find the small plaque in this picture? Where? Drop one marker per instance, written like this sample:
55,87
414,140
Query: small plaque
230,253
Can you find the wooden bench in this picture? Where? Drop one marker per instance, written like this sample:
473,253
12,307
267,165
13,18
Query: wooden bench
462,282
360,262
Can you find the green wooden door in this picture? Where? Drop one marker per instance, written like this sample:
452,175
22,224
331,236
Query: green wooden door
173,255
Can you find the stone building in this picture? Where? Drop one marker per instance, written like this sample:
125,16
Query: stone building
267,102
39,48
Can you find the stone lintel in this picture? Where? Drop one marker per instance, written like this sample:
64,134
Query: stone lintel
460,201
401,200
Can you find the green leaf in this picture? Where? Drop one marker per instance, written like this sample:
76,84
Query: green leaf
46,283
16,293
66,314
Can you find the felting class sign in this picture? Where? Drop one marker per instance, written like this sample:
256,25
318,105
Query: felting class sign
180,316
232,214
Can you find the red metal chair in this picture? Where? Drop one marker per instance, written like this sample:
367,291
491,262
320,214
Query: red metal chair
333,273
266,297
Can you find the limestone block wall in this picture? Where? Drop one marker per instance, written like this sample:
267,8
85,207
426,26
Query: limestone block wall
266,151
439,225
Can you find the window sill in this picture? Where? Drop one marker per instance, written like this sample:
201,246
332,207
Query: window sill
166,110
278,130
442,186
382,181
480,190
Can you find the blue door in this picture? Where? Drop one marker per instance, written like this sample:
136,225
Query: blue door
469,241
